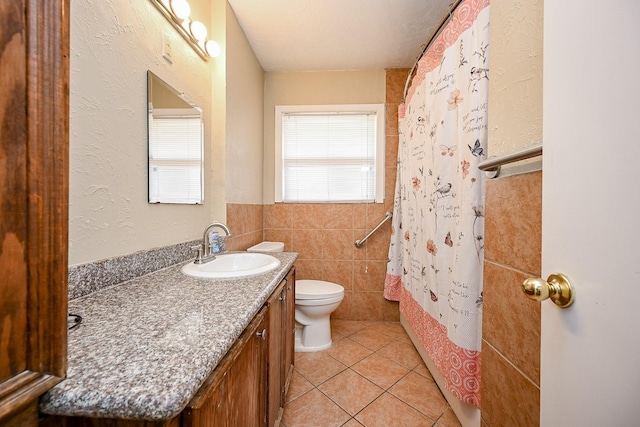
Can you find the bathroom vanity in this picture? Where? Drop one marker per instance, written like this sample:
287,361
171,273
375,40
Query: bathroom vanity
167,349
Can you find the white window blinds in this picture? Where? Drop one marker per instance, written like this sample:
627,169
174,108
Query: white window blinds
330,156
175,159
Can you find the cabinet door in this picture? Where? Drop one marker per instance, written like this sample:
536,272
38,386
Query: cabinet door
275,337
289,330
210,404
235,393
246,381
34,124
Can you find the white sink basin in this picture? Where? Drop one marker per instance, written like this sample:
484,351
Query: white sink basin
232,266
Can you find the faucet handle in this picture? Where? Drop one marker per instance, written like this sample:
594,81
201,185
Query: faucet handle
199,254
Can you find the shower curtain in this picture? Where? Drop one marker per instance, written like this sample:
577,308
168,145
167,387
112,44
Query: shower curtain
437,248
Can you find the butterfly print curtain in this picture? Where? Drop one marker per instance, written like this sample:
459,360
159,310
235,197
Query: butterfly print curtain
437,244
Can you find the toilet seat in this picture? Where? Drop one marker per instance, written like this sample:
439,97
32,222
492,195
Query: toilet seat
318,302
318,290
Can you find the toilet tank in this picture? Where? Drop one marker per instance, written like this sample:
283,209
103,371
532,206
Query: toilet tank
267,247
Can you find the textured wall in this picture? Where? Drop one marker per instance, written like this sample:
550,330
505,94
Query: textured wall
515,85
244,123
113,44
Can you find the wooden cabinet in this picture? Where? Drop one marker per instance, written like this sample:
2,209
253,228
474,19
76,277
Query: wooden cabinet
249,385
280,359
235,393
34,122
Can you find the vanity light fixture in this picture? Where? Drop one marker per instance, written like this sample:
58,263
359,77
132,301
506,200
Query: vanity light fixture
181,9
178,12
212,48
198,30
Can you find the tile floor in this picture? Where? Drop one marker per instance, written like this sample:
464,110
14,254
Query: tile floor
372,376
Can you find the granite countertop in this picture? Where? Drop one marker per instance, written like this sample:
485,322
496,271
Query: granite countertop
145,347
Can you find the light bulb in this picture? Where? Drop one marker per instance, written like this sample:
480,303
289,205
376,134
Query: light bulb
181,9
212,48
198,30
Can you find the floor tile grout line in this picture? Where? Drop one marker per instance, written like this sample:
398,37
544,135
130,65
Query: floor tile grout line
394,337
441,415
365,407
408,403
344,409
384,390
353,417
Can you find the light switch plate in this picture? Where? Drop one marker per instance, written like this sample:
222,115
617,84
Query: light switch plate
166,47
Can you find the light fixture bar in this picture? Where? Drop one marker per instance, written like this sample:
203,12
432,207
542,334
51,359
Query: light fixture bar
199,46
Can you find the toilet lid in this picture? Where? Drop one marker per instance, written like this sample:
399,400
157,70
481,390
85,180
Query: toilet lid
317,289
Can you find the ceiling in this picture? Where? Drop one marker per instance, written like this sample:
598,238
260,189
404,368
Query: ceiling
314,35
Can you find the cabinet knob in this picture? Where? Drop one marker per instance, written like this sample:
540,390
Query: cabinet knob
262,334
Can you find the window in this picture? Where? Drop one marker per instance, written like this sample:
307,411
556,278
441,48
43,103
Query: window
330,153
175,156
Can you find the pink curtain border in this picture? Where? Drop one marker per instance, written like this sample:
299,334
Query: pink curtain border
393,287
462,19
460,367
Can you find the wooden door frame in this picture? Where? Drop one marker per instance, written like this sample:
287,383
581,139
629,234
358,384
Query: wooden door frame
45,38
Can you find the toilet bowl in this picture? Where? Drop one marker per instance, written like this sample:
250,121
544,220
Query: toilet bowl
315,301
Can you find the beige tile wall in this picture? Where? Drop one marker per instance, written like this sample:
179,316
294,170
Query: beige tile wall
511,322
246,224
324,234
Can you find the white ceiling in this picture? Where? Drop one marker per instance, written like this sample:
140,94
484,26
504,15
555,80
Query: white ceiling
313,35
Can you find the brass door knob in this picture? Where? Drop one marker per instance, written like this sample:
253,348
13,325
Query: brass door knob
557,287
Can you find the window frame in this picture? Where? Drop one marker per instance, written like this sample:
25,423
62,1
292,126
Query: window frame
380,141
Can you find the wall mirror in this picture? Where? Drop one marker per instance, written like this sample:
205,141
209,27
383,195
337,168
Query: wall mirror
176,145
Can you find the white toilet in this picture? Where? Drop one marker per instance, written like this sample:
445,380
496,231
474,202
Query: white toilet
315,301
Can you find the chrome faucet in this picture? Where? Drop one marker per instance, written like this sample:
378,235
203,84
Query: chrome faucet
204,250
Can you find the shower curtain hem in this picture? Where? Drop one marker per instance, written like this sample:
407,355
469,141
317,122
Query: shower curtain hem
459,366
392,287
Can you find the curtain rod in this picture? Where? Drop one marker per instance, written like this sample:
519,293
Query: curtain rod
445,19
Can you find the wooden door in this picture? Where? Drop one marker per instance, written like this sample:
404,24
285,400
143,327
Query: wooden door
34,81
